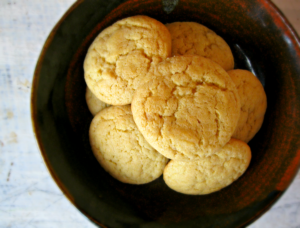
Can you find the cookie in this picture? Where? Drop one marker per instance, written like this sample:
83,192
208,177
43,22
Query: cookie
122,54
189,109
209,174
253,104
194,38
121,149
94,104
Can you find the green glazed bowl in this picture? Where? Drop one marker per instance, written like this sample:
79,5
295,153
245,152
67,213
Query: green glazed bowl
262,41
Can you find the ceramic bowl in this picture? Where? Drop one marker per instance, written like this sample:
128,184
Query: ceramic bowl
262,41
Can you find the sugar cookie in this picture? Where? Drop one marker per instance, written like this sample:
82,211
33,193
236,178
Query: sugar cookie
209,174
121,149
194,38
122,54
189,109
253,104
94,104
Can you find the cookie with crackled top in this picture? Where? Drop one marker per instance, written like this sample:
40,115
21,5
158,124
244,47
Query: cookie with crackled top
121,149
194,38
94,104
211,173
121,56
188,109
253,104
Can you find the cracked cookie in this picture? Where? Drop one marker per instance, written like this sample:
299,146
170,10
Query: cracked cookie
189,109
194,38
209,174
94,104
121,149
122,54
253,104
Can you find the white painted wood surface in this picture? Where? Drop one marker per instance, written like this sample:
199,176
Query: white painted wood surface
28,196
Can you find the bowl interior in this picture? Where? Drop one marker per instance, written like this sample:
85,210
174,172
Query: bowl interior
262,42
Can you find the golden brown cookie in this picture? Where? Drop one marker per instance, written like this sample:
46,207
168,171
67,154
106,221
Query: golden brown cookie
189,109
122,54
253,104
94,104
194,38
209,174
121,149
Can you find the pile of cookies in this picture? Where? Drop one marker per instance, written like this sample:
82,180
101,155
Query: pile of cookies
166,100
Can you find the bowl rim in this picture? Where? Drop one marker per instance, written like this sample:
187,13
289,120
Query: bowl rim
33,110
36,130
